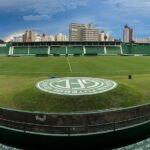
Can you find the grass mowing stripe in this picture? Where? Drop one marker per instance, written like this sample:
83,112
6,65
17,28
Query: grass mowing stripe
37,72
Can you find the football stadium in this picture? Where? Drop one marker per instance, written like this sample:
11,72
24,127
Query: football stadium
110,118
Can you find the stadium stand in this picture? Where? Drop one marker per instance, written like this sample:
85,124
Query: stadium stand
4,147
133,49
142,145
141,49
30,50
78,50
38,50
126,49
75,48
20,51
58,50
95,50
4,49
113,50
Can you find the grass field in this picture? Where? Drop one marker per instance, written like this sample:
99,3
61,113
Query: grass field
18,76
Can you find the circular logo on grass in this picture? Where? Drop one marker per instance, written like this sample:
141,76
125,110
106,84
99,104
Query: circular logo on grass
76,86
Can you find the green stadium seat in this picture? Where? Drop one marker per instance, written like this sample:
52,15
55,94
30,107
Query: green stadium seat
4,50
125,49
94,50
75,50
38,50
20,51
113,50
141,49
58,50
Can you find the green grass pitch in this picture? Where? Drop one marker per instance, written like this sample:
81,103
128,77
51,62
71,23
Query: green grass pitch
18,76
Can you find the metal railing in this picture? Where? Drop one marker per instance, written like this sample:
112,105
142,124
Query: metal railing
72,130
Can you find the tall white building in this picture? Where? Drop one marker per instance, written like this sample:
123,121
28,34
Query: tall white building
127,34
90,33
79,32
75,31
29,36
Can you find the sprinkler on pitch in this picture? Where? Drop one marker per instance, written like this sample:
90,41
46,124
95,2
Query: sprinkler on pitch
129,77
52,76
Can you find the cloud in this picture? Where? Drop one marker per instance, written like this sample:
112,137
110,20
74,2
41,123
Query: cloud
17,5
51,7
12,35
41,9
53,16
36,17
139,7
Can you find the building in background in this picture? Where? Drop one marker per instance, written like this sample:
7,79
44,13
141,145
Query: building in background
17,39
112,39
52,38
104,36
127,34
29,36
89,33
142,40
75,31
38,38
61,37
45,38
80,32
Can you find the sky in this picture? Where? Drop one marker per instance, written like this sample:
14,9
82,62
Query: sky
54,16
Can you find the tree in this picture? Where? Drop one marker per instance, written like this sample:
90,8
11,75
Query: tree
105,37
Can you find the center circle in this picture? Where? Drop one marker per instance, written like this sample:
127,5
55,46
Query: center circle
76,86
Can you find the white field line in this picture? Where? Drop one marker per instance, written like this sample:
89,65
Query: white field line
74,62
69,65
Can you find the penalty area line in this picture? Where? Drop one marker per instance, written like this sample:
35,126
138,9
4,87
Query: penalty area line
69,65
